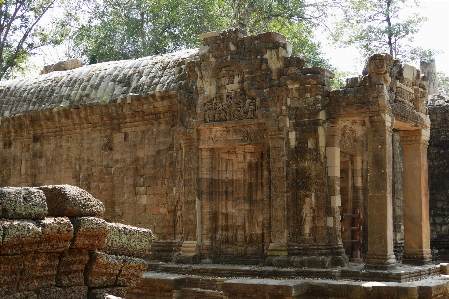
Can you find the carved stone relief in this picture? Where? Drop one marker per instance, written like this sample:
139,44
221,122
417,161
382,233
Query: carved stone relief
231,102
232,136
352,136
405,93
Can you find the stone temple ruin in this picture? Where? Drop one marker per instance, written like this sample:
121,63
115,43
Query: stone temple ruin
239,153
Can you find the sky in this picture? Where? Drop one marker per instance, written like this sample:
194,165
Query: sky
434,34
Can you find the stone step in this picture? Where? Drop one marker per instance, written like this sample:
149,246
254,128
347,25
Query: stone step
205,283
165,251
168,286
195,293
402,273
233,260
220,270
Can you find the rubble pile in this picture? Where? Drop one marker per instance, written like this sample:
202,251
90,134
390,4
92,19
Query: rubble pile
54,244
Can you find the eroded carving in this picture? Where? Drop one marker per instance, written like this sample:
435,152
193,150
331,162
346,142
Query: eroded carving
232,136
230,103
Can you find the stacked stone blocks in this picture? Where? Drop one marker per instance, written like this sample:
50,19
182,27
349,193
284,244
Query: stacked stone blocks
55,245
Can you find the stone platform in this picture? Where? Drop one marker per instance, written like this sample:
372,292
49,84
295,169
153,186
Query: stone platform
232,281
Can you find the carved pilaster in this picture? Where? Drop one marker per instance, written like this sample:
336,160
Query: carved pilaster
278,155
206,183
380,209
189,198
416,197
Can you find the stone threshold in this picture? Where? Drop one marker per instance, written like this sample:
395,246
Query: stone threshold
180,286
357,272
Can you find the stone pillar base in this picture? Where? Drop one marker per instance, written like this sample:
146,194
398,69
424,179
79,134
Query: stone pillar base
380,262
189,248
417,257
277,249
277,254
189,253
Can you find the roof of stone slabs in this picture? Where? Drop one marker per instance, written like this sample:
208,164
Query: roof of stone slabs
97,83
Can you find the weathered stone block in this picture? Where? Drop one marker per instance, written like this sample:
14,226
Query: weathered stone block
71,268
131,272
21,295
50,293
102,269
39,271
444,268
159,285
76,292
22,203
128,240
56,234
72,201
238,288
10,268
19,236
89,233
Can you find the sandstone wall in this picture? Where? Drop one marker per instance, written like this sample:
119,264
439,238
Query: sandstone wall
110,128
55,245
126,155
439,176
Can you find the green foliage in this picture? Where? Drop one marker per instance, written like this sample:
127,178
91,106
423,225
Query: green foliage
339,81
117,29
21,33
379,26
128,29
443,84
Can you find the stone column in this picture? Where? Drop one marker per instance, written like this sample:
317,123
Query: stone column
416,197
333,141
333,174
278,156
190,202
206,185
380,210
358,184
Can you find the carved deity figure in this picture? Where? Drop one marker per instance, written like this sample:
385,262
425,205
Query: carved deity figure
377,68
178,219
308,211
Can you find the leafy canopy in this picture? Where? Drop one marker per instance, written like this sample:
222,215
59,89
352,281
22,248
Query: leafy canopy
116,29
380,26
21,33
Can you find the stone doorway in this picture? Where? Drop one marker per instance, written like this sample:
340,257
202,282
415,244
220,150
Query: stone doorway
351,216
237,205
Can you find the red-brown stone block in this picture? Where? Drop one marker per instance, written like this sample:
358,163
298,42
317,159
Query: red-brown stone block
72,264
89,233
102,269
39,271
131,272
56,234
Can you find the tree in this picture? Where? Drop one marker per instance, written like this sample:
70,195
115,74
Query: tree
21,33
379,26
129,29
443,84
339,81
293,18
115,29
